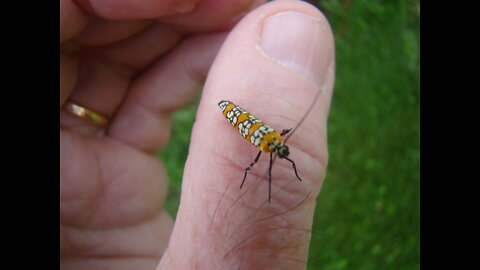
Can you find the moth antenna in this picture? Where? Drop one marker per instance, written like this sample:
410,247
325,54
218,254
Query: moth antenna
304,115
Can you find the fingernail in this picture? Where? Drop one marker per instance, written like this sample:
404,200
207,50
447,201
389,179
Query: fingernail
300,42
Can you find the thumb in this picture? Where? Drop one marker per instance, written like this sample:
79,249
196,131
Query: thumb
272,65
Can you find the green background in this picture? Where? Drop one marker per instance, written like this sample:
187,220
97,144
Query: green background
368,211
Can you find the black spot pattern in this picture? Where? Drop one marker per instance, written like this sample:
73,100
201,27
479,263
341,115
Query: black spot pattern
245,126
258,134
223,104
233,114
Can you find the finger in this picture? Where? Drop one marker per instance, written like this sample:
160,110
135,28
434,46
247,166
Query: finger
72,19
100,31
106,184
140,50
210,15
143,243
68,75
144,116
273,63
136,9
100,86
104,74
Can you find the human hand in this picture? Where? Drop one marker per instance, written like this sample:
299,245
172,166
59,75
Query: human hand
113,186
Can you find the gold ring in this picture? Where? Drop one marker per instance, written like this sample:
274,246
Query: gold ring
85,114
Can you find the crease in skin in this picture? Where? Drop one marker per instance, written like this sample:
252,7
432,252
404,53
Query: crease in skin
241,227
242,195
255,184
249,187
241,260
284,212
255,212
226,213
262,232
242,243
233,230
218,205
305,115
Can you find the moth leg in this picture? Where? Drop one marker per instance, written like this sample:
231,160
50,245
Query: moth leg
285,131
249,168
294,167
270,178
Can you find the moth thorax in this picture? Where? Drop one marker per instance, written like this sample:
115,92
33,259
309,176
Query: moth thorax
282,151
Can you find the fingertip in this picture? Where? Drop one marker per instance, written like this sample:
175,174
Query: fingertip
298,41
276,59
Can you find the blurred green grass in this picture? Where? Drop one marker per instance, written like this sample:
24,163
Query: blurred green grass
368,212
